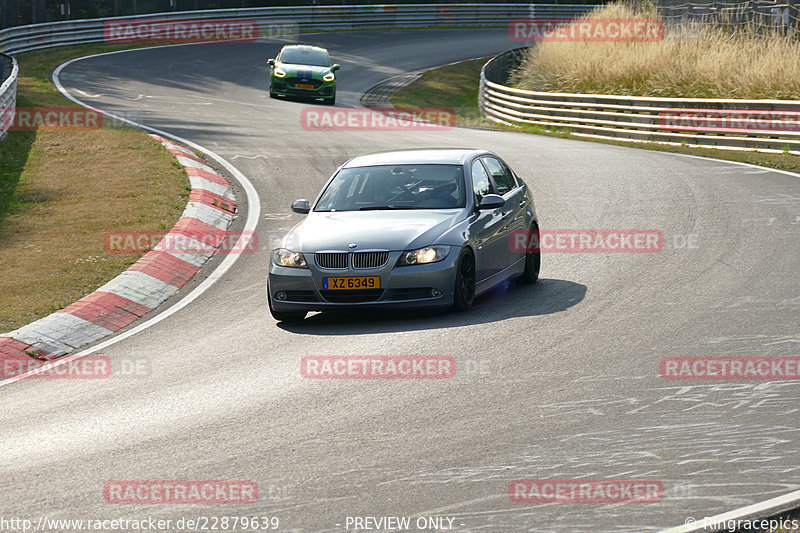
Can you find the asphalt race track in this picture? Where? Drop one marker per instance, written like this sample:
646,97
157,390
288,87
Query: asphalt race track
557,380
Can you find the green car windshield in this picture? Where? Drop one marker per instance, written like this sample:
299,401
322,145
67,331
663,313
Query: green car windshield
299,56
395,187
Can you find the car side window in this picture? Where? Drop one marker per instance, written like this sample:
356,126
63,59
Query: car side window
502,177
515,179
480,181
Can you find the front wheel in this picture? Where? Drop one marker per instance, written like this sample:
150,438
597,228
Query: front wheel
464,293
533,257
284,316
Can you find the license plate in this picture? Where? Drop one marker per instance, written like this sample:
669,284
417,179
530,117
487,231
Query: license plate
366,282
303,86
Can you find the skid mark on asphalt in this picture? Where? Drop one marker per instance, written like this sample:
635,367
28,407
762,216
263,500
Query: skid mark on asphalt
755,302
100,95
736,171
759,220
249,156
764,340
780,199
278,216
777,396
681,439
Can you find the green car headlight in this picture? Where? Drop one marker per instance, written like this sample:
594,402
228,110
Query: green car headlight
278,73
328,77
423,256
288,258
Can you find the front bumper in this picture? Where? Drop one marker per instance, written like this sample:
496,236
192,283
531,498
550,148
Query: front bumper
409,287
282,86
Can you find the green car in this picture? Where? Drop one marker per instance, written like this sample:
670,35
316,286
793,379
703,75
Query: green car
302,70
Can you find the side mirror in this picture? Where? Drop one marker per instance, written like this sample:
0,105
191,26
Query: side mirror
271,62
335,67
491,201
301,206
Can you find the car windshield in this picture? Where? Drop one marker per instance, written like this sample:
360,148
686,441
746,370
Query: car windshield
305,56
395,187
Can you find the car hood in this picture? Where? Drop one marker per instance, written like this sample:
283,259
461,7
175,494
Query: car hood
385,230
304,71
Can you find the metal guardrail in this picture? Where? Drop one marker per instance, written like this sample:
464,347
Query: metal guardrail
767,125
278,21
775,13
8,92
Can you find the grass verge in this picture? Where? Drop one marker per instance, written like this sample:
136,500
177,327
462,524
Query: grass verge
456,87
61,191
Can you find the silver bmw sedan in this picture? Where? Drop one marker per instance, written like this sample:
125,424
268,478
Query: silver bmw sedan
410,229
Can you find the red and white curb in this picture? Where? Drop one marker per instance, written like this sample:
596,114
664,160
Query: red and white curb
147,283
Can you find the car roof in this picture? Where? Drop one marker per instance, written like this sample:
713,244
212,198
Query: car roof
440,156
305,47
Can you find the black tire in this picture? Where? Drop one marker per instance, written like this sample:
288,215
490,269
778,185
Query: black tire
330,101
533,257
284,316
272,95
464,291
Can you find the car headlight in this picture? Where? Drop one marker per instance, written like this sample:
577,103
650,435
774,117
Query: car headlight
288,258
328,77
423,256
278,73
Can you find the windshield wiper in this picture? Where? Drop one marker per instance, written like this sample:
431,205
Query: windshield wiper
379,207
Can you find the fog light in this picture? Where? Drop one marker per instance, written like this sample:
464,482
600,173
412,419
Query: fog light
280,295
436,292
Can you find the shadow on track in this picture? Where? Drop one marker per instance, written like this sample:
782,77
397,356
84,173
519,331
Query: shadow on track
509,300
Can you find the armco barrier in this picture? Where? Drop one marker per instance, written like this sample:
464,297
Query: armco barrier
274,21
734,13
8,91
767,125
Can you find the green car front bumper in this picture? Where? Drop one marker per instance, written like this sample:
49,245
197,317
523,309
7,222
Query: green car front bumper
295,86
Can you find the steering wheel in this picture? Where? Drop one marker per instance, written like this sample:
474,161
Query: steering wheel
406,192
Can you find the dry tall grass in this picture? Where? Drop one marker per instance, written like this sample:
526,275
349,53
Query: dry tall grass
702,61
